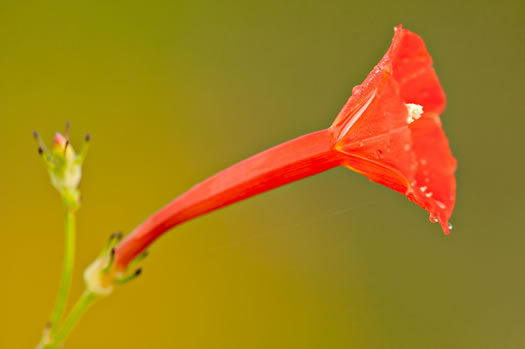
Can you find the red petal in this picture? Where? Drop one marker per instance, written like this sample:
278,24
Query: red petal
374,132
413,72
434,185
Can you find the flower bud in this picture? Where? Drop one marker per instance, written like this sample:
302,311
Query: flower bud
64,166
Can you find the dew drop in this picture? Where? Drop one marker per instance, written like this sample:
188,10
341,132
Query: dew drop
428,195
433,219
423,188
441,205
450,226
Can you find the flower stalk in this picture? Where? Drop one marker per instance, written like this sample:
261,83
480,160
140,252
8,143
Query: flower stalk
67,271
80,307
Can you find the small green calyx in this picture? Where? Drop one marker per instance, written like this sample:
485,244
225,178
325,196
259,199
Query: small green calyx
101,276
64,165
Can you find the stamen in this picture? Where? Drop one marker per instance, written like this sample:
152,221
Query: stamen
414,112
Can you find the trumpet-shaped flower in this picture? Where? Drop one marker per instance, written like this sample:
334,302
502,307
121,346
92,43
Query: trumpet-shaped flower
389,131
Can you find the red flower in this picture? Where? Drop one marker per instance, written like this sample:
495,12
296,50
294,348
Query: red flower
386,137
389,131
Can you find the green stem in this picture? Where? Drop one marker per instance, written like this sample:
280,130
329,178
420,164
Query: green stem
67,271
76,313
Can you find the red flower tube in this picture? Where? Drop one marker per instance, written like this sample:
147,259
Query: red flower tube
389,130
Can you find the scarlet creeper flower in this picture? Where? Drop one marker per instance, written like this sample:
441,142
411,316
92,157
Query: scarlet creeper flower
389,130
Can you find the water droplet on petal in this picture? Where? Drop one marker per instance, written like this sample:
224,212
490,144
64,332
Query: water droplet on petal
428,195
423,188
450,226
441,205
433,219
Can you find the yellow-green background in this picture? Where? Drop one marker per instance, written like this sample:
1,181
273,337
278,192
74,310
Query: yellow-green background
173,92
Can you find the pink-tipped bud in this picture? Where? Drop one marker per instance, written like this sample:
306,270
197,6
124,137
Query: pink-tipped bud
64,166
60,141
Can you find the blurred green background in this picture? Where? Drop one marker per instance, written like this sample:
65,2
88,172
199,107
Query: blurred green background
173,92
